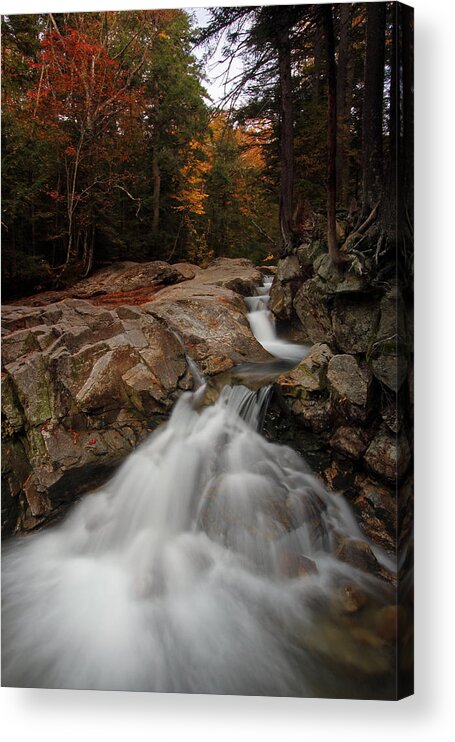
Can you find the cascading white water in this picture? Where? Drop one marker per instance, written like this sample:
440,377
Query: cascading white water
207,564
263,326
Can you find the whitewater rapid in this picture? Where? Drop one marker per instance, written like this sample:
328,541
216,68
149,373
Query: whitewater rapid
176,576
263,326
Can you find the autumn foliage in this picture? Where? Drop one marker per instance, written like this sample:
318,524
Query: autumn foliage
110,150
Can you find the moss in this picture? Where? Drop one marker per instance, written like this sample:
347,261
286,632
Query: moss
37,452
12,412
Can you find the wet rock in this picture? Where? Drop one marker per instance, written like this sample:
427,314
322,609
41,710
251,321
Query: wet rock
297,565
349,441
391,622
350,383
354,321
388,455
83,384
350,598
212,323
376,509
357,553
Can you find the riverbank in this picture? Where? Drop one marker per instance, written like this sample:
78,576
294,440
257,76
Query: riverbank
87,377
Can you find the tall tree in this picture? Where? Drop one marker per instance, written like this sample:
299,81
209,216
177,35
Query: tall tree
343,94
326,15
372,114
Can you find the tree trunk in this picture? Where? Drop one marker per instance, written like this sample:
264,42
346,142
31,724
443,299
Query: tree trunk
407,55
372,159
317,68
389,201
397,202
329,37
343,104
286,142
156,182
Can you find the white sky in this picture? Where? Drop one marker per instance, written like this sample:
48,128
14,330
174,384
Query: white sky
214,68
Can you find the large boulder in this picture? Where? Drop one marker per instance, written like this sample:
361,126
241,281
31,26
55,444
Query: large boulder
349,441
350,384
120,283
311,307
237,274
389,351
310,375
354,321
285,283
376,509
81,387
337,280
83,384
211,322
388,456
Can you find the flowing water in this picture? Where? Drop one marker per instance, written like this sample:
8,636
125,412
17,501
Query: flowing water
207,564
263,326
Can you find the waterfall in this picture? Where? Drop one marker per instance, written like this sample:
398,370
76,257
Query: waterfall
263,326
207,564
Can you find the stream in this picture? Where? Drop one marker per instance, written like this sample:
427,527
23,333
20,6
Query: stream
207,564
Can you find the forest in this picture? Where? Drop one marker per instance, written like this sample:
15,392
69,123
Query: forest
112,149
207,350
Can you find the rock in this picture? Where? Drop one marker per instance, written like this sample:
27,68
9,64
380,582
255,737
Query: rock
285,284
310,304
30,378
188,270
391,622
338,281
288,269
211,321
351,384
376,509
281,300
350,598
314,414
308,252
297,565
392,414
12,417
354,320
236,274
390,348
56,393
349,441
309,375
388,456
83,385
357,553
123,282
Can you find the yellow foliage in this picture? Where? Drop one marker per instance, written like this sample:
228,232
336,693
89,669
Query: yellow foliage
192,194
